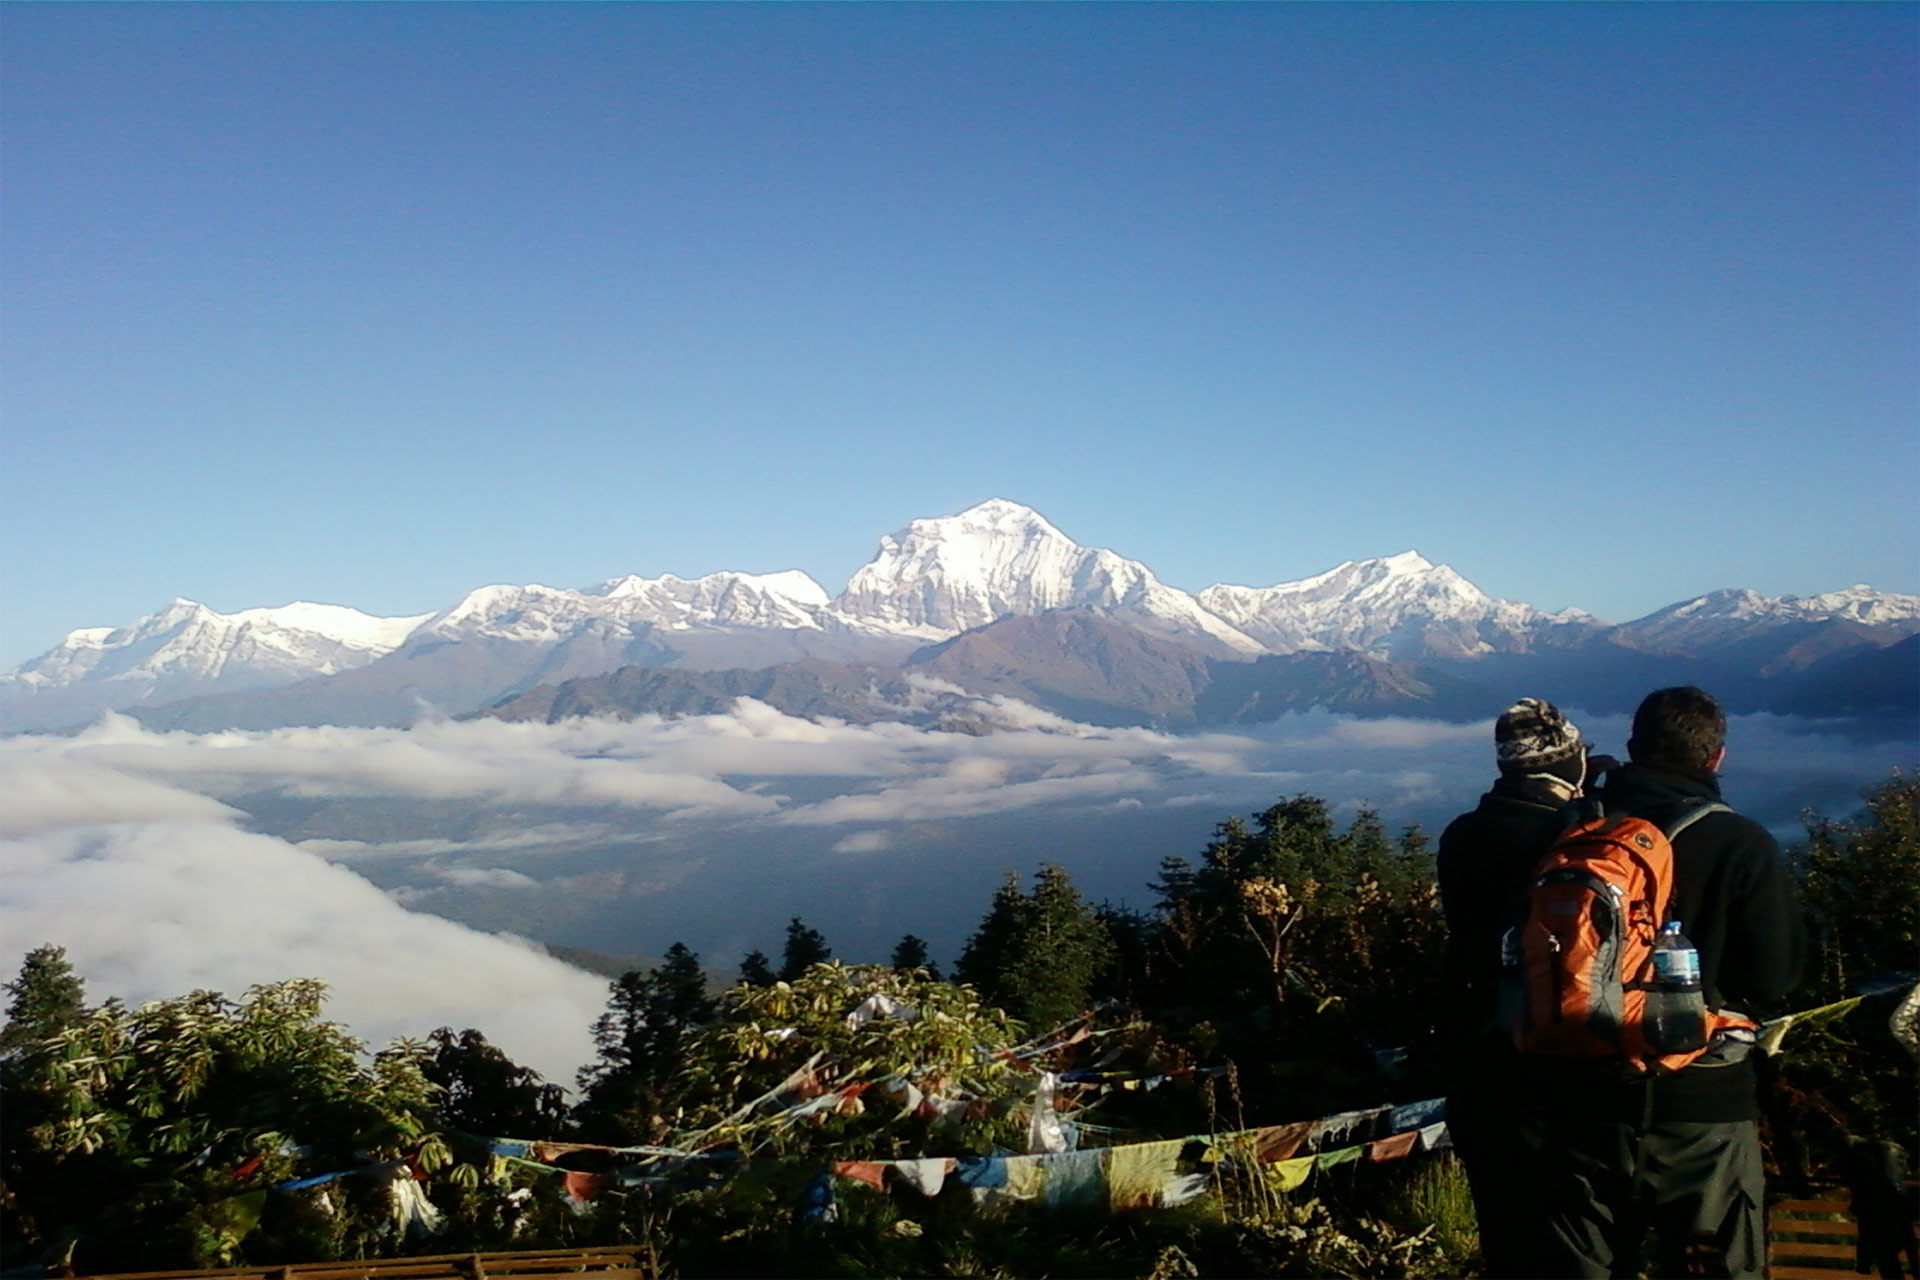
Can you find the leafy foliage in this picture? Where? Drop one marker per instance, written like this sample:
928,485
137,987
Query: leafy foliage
773,1046
1861,883
121,1128
483,1091
1846,1077
1293,943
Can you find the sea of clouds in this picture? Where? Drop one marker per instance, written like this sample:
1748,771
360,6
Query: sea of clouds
409,868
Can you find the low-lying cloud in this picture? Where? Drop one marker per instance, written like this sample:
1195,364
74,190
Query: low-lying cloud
127,846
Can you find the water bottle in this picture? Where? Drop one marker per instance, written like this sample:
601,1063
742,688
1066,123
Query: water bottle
1676,1011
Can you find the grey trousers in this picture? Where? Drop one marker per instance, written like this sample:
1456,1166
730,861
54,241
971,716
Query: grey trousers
1699,1189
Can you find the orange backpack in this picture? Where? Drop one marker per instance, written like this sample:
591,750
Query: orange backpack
1580,967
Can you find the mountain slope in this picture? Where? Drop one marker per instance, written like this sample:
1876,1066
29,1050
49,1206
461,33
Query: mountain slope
1076,663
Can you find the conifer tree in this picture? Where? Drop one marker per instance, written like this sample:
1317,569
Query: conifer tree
756,971
806,947
641,1038
910,953
988,950
1038,955
48,997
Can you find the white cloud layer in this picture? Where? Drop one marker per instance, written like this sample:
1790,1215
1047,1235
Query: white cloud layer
153,895
625,835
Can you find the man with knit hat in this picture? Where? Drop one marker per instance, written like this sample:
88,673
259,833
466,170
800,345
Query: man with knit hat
1486,857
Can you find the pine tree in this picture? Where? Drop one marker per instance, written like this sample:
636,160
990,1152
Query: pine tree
987,951
1038,955
806,947
1175,884
1062,949
48,997
910,953
641,1039
755,970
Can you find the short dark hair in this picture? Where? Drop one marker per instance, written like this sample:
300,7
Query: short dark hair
1680,726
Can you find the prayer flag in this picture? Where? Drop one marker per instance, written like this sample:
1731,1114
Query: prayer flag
1397,1147
1136,1173
1279,1141
1333,1159
871,1172
924,1176
1287,1175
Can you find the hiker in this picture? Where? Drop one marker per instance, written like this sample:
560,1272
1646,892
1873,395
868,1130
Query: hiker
1485,858
1677,1153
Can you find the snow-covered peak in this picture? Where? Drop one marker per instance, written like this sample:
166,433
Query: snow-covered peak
1732,611
537,614
336,622
185,647
1396,605
998,559
1859,603
791,584
789,599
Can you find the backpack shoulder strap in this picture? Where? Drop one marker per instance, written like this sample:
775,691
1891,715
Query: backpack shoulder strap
1690,812
1580,809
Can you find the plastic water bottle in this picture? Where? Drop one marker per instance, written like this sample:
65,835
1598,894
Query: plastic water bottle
1676,1011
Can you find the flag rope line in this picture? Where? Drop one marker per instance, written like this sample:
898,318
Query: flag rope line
1771,1034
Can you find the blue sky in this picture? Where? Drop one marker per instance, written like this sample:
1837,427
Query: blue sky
1604,305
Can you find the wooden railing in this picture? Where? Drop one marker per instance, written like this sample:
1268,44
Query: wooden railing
617,1262
1819,1238
1812,1239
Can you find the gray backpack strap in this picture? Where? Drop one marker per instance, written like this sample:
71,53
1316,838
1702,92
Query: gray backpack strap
1691,812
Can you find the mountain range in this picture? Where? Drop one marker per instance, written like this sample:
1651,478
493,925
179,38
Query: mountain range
992,601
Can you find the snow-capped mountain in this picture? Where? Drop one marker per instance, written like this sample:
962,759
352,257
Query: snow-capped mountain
937,578
1400,606
187,648
929,582
1722,617
542,615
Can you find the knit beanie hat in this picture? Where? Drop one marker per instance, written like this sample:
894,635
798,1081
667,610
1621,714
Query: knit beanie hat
1533,737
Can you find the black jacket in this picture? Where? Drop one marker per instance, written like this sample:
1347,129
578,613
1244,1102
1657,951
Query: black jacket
1736,903
1485,859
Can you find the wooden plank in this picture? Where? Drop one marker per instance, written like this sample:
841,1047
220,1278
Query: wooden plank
1808,1273
595,1262
1793,1249
1809,1206
1812,1227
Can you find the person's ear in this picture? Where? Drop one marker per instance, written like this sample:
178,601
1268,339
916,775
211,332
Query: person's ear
1713,764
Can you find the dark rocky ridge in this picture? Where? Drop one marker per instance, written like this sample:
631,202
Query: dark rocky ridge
1084,666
